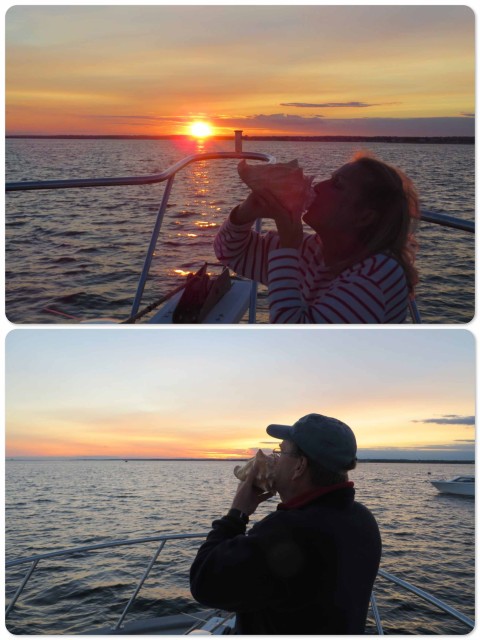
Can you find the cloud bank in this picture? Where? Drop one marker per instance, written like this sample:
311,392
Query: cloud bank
449,419
328,105
456,451
315,125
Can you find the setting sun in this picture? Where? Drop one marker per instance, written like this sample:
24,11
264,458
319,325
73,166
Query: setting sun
201,129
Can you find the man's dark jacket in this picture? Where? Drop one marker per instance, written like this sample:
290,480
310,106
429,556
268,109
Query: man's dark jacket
303,570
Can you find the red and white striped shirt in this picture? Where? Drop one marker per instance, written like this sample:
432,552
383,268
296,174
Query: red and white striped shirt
301,289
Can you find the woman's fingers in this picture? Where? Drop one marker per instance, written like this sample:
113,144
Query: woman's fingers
270,205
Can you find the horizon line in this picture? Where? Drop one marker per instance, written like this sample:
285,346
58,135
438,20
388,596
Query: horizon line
246,137
133,459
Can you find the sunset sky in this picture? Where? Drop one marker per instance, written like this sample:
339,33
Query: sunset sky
212,392
269,70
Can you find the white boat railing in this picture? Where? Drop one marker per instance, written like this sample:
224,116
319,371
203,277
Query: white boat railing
34,560
168,176
428,597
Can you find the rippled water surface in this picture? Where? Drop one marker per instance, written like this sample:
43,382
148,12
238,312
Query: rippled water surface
80,252
428,538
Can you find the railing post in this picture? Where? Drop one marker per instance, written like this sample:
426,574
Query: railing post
151,248
252,310
20,588
238,140
140,584
376,615
414,312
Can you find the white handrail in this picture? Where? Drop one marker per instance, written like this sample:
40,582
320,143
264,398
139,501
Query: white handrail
102,545
95,547
35,559
136,180
428,597
445,220
168,175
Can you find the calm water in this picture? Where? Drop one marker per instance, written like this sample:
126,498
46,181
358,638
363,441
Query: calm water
428,538
80,252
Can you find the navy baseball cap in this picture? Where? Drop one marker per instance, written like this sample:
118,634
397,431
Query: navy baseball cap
325,440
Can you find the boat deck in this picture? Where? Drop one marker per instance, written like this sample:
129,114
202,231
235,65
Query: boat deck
178,624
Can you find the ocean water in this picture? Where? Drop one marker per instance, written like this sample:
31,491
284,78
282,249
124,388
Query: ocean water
428,538
75,255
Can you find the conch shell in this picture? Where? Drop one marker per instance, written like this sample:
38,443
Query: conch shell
265,470
285,180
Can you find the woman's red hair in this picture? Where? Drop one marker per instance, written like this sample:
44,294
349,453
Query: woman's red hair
393,199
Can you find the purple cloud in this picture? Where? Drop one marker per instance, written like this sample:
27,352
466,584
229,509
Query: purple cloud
450,419
288,124
327,105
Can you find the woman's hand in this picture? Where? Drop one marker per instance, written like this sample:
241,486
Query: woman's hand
249,210
263,204
289,226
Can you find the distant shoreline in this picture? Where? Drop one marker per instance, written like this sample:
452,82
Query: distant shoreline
369,460
247,138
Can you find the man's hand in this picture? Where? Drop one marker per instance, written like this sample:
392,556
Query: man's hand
248,497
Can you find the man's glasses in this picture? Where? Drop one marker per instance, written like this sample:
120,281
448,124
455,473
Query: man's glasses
280,452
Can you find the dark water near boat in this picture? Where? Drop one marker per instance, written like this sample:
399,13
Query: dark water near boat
80,252
428,538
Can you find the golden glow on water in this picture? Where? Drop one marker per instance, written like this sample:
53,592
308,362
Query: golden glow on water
203,224
182,273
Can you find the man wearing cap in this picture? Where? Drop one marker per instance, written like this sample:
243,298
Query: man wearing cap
308,567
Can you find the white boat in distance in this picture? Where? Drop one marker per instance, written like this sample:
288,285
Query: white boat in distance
460,485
